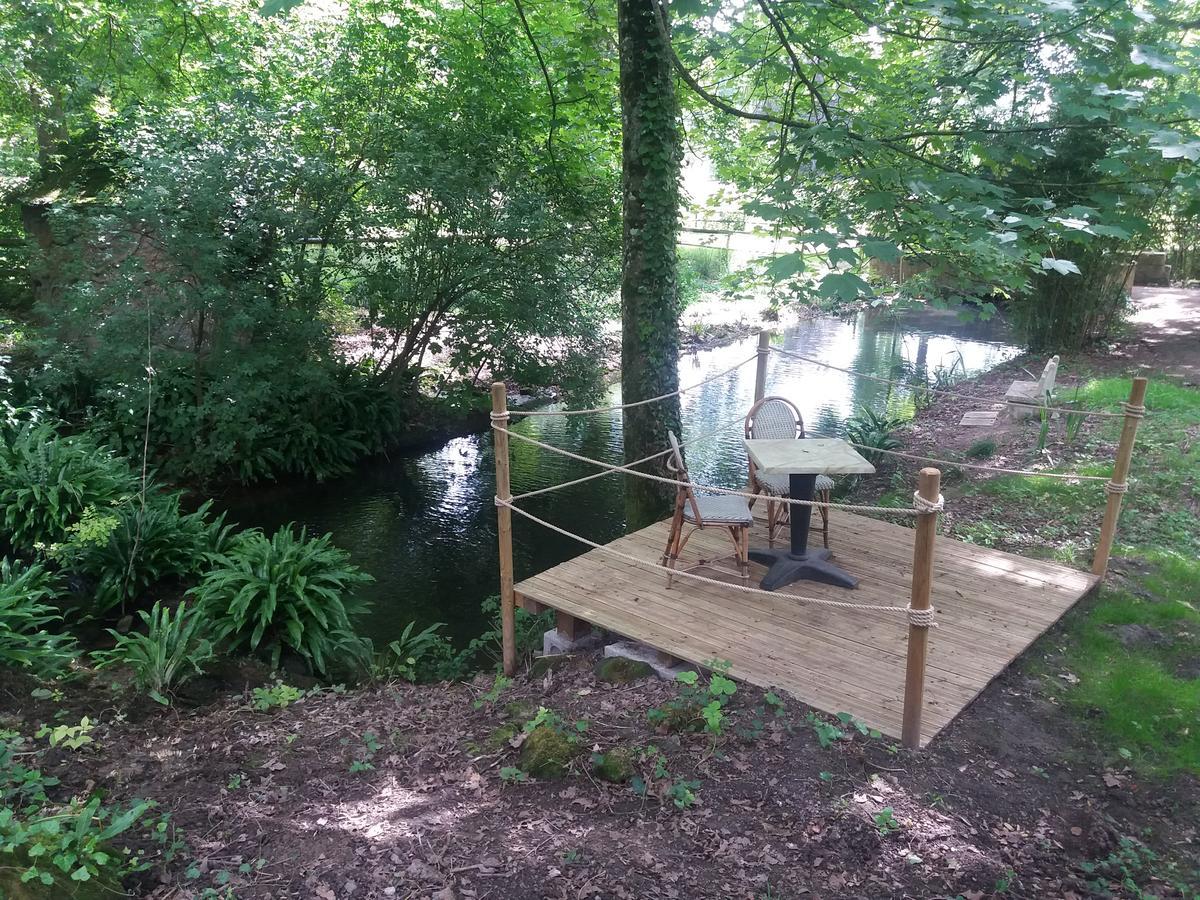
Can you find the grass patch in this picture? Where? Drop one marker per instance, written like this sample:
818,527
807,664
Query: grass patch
1136,651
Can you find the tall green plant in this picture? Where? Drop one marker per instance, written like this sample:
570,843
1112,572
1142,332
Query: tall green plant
173,649
48,480
288,592
28,623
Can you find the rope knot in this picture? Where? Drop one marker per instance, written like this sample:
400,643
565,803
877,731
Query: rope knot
1113,487
921,618
498,416
921,505
1134,411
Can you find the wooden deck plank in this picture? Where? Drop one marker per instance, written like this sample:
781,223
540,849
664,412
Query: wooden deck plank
991,606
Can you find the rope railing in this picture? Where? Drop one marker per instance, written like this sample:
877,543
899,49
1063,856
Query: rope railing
920,617
950,463
620,406
704,488
1097,413
637,462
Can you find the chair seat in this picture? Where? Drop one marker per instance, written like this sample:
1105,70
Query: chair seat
720,509
781,486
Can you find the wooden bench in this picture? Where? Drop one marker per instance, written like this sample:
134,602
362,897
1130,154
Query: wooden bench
1024,397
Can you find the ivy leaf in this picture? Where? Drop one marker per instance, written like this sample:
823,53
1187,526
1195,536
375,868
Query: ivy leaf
1061,266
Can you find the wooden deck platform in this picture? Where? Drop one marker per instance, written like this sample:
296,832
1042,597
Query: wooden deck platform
990,605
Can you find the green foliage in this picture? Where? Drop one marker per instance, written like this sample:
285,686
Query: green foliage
697,705
513,775
145,546
500,684
870,430
173,648
287,592
701,270
488,648
981,449
200,245
886,821
1032,187
60,846
826,732
422,657
277,696
70,736
48,481
26,616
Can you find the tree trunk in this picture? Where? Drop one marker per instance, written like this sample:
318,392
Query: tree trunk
651,154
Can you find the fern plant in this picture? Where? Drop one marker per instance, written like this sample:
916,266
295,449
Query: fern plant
173,649
289,591
871,431
25,615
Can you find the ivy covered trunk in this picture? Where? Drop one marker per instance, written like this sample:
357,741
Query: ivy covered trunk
651,156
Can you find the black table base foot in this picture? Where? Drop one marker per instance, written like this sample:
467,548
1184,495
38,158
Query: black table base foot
787,567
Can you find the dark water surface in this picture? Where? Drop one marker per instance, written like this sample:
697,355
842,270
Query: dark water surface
425,526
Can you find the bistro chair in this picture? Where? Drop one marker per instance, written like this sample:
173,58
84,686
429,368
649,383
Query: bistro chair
704,511
775,418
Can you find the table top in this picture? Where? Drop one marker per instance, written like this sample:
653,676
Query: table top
807,456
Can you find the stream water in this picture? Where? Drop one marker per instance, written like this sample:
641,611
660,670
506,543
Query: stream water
424,525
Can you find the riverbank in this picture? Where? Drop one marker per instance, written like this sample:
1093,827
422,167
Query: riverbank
1072,775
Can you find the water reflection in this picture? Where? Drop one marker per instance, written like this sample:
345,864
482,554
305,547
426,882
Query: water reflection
424,525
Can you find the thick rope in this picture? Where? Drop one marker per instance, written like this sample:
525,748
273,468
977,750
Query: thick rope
604,473
621,406
1134,410
706,488
1114,487
920,617
921,505
1098,413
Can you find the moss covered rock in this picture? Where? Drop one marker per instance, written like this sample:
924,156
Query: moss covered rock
546,753
500,737
620,670
615,766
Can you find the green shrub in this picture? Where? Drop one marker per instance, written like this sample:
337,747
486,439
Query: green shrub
982,449
53,850
420,658
872,431
700,270
144,547
24,615
172,650
48,480
290,592
311,420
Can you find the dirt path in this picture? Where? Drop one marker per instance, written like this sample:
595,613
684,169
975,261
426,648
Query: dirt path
1167,323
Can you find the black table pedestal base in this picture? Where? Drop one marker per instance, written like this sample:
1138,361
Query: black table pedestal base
787,567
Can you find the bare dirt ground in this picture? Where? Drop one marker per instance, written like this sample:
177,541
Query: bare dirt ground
397,791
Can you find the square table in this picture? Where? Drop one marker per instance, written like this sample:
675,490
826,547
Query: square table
802,461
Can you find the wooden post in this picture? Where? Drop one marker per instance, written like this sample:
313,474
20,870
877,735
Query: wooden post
760,373
569,627
929,485
504,526
1117,485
